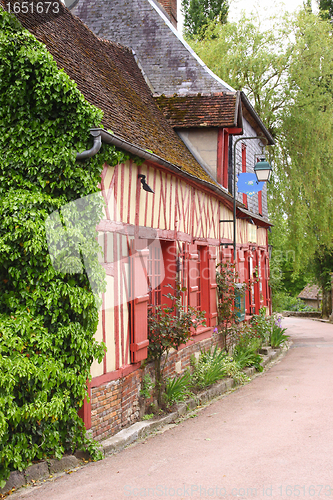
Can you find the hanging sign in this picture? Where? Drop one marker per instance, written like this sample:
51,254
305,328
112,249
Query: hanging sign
247,183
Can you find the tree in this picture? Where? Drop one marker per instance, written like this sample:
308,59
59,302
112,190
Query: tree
287,73
251,59
198,14
323,265
326,9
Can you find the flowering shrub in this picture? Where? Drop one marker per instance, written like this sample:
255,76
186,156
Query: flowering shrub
262,325
278,337
169,327
225,279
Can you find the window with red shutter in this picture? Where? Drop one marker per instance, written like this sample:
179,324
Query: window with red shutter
140,299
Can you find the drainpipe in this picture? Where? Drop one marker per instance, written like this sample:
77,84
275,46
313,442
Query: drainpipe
96,147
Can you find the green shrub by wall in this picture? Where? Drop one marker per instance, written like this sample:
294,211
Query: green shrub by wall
47,318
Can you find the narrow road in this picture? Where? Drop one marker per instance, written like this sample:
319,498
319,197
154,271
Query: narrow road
272,438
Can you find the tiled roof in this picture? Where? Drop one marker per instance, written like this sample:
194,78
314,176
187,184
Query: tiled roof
310,292
168,61
214,110
109,78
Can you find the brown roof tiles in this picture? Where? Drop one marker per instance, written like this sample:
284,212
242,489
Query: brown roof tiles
310,292
215,110
107,75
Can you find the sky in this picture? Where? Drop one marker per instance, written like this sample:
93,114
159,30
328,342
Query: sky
265,8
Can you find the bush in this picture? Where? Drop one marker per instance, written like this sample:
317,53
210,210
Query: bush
284,302
177,388
213,366
261,324
278,337
247,355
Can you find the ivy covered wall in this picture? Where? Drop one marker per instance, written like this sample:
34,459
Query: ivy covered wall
47,318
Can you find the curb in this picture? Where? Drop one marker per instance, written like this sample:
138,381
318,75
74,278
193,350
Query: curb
45,469
39,472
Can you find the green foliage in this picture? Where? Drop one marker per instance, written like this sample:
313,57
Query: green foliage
198,14
245,339
326,9
170,326
148,416
177,388
212,366
48,318
147,386
260,326
278,337
284,302
322,264
247,355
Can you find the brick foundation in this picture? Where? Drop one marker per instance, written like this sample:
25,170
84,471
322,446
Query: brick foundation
118,404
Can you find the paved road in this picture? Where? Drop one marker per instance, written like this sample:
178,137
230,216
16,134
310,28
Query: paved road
272,438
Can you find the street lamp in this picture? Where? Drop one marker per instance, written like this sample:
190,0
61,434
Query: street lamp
263,172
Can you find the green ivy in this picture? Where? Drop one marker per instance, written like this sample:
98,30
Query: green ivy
47,318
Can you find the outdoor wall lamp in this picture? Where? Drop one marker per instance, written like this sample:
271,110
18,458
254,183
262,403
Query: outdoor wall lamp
144,184
263,170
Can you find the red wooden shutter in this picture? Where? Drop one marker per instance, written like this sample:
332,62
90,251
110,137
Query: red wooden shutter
222,157
260,202
140,300
256,282
212,286
241,266
244,170
169,251
192,275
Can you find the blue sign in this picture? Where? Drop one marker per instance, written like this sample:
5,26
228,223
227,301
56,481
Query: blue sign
247,183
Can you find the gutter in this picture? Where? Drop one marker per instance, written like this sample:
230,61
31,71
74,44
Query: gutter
258,218
102,135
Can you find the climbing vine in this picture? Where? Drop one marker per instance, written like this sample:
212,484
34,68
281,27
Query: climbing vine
47,317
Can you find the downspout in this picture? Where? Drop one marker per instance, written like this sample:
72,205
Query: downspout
96,146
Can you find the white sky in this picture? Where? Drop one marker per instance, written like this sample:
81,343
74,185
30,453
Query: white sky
265,8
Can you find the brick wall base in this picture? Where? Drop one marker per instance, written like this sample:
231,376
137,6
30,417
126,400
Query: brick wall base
117,404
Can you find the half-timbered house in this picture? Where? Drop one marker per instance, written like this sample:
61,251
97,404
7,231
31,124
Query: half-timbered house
151,239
